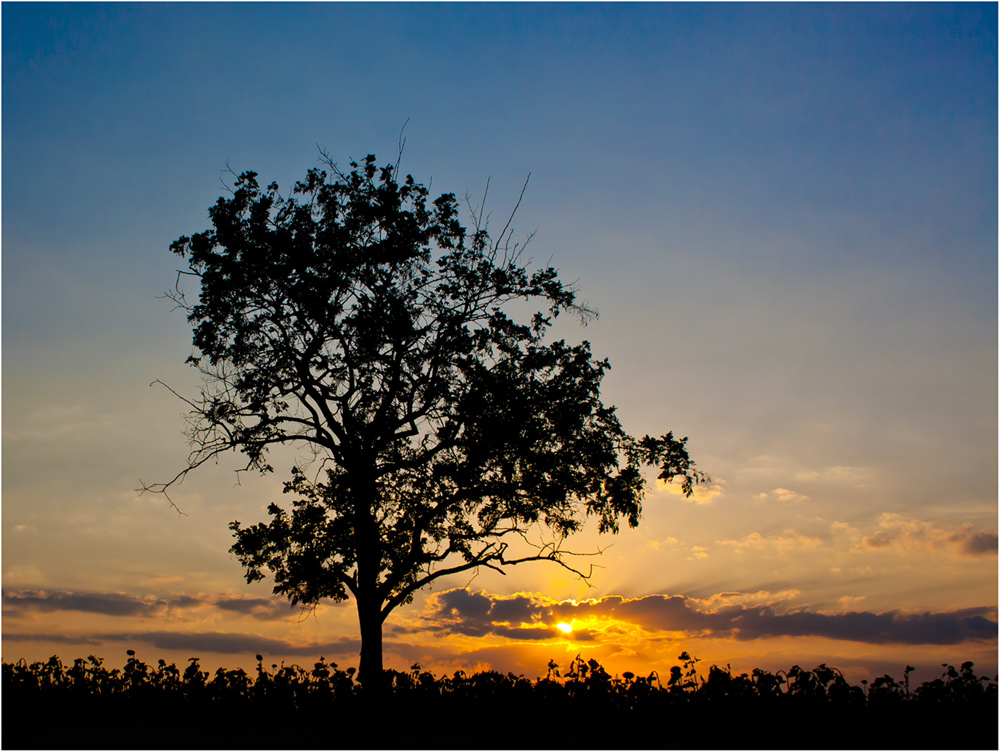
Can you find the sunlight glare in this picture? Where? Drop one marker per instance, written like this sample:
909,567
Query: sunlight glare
567,628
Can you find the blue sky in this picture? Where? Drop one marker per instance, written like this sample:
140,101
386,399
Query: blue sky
785,214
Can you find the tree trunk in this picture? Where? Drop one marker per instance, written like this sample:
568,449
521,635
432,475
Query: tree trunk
370,672
369,553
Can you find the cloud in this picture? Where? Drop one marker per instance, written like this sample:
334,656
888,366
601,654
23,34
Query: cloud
656,545
846,528
109,604
233,643
126,605
785,543
526,633
161,578
904,536
517,617
848,601
674,613
761,597
53,422
947,628
259,608
785,494
703,494
60,638
742,616
462,611
529,617
976,544
515,609
856,476
185,601
23,575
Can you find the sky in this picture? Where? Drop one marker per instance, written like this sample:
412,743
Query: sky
786,216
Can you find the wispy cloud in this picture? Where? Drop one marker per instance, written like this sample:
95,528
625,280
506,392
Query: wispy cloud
53,422
787,542
736,598
844,474
785,494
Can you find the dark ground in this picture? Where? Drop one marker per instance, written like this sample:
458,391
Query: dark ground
488,724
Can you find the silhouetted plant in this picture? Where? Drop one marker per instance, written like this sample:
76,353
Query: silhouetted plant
553,670
767,684
636,705
684,678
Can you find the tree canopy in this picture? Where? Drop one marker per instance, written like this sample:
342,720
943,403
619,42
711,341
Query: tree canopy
362,320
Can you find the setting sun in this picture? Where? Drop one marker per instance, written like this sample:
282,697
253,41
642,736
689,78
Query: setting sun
563,626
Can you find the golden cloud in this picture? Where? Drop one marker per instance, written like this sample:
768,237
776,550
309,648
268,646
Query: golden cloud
702,494
785,494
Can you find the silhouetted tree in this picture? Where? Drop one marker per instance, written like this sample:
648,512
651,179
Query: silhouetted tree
365,322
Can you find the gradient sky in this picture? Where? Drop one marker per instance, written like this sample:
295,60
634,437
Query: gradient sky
785,214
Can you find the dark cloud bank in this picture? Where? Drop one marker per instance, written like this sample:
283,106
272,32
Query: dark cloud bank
229,643
123,604
478,614
519,617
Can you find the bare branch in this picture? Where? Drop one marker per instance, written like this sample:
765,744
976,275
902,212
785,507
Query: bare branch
174,392
492,557
399,158
514,210
225,185
161,488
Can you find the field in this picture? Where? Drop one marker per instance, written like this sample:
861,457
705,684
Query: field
85,705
